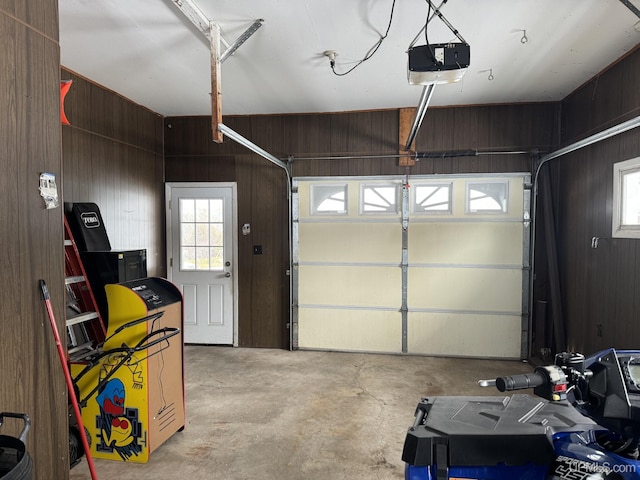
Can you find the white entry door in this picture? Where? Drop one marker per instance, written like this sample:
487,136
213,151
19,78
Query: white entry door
201,251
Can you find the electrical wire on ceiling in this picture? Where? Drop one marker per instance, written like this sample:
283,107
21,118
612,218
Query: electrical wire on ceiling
371,51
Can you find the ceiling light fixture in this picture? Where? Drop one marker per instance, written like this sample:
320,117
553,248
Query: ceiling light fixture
433,64
331,54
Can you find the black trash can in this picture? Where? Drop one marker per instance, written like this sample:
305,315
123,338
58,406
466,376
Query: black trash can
15,462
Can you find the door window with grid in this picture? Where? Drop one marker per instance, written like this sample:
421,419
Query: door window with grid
201,234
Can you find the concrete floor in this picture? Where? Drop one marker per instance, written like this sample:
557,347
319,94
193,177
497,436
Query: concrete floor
274,414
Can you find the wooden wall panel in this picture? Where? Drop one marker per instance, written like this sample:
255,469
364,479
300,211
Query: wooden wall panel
263,310
30,235
606,100
599,286
362,143
113,156
40,15
93,108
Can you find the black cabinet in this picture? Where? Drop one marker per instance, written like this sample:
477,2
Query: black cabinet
113,266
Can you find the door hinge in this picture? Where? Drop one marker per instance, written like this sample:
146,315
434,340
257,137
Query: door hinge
171,263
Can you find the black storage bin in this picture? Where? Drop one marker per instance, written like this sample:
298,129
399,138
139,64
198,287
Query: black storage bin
15,462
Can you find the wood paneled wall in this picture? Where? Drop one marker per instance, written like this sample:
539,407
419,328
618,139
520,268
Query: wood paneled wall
31,237
599,286
190,155
608,99
113,156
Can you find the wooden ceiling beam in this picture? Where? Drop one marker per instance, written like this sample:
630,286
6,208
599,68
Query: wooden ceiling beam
216,83
211,30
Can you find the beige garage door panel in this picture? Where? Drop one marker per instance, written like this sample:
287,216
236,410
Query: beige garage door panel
350,286
466,243
465,335
358,330
465,289
353,242
462,252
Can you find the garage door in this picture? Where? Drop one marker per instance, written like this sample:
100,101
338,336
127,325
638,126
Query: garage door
434,265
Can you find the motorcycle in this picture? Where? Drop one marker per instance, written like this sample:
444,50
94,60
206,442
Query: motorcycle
582,423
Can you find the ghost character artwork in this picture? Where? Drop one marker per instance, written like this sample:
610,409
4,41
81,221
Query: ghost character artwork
118,425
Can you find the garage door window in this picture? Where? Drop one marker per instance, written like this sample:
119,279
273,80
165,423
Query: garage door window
432,198
626,199
487,197
329,199
379,199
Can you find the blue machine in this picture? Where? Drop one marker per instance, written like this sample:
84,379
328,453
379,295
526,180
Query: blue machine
582,424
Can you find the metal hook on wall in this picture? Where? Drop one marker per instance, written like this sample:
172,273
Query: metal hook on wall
595,241
524,38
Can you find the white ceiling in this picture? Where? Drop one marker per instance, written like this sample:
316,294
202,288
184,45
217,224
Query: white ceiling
147,51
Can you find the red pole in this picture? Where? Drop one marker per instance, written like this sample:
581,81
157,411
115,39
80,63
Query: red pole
67,376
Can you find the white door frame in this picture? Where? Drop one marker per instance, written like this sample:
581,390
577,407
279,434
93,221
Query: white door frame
234,227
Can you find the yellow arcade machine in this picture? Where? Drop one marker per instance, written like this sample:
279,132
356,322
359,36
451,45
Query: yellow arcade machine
132,395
